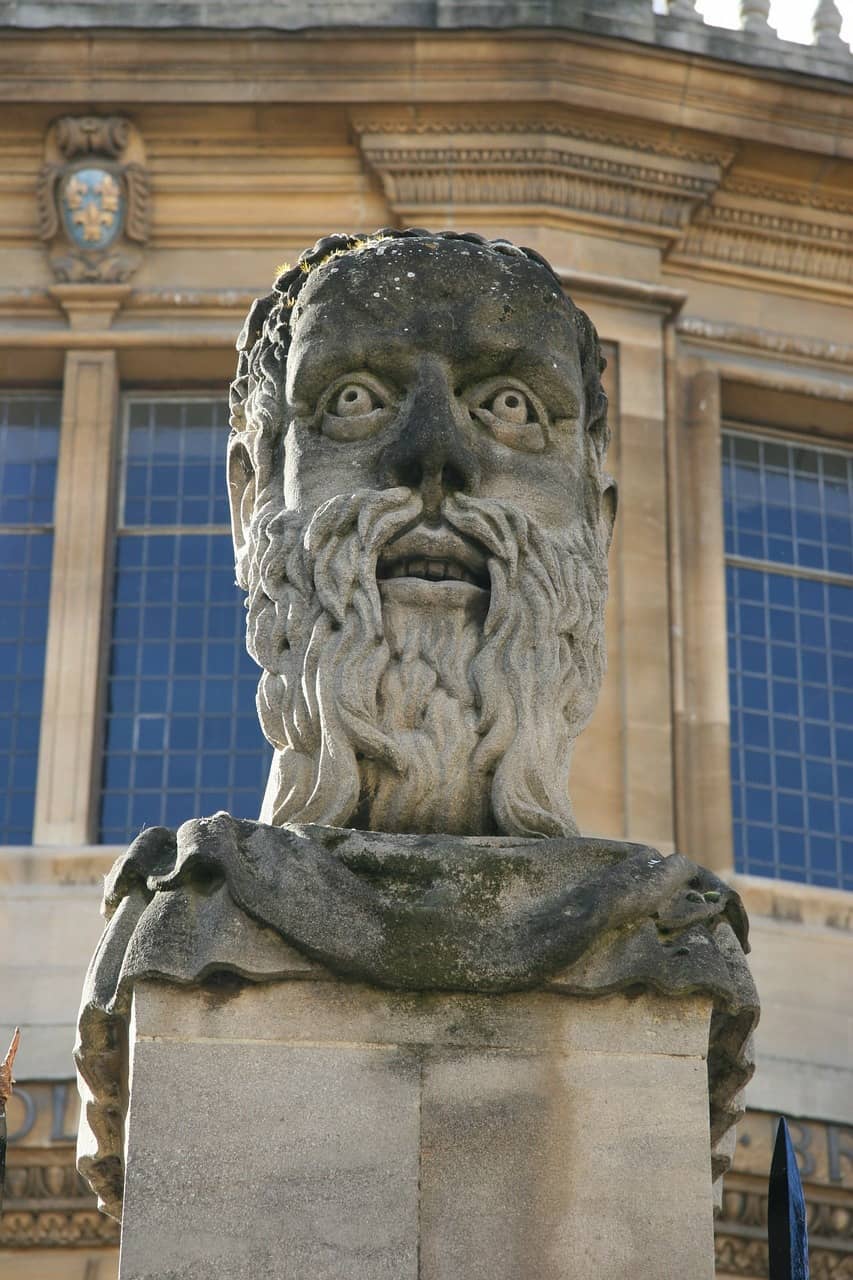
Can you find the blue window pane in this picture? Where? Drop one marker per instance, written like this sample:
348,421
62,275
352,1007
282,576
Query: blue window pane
29,443
174,472
791,733
29,439
790,811
23,605
789,772
181,737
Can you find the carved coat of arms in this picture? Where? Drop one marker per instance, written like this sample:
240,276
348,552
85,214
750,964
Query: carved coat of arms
93,198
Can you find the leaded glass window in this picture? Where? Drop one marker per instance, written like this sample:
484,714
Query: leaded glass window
182,736
788,514
29,442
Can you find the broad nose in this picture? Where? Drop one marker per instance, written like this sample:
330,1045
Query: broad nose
431,454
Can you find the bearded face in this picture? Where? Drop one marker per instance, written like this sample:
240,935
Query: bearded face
422,523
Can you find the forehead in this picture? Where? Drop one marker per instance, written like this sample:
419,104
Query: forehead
471,305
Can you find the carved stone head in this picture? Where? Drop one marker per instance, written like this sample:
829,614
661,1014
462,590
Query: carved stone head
421,520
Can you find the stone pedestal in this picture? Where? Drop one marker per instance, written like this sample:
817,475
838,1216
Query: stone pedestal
323,1130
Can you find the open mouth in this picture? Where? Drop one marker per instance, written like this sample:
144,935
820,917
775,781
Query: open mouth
434,555
431,571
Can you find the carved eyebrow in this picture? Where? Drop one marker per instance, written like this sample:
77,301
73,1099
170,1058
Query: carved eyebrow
321,364
549,381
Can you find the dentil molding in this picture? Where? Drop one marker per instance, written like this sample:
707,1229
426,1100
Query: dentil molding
683,192
634,186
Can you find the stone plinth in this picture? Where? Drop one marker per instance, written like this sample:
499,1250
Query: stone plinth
325,1130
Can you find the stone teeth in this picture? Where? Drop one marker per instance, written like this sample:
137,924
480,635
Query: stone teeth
429,569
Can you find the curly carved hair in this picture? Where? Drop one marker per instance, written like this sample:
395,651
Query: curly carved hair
257,390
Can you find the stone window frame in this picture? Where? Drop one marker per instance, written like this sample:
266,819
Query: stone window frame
94,386
713,391
186,528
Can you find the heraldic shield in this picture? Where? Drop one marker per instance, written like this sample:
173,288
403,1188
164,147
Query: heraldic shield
93,198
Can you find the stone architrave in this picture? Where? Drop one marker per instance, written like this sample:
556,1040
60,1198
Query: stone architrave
461,1038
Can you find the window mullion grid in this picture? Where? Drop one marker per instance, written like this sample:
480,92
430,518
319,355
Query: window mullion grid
170,681
171,461
797,573
831,685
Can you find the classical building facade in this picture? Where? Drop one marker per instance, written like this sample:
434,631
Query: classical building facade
694,189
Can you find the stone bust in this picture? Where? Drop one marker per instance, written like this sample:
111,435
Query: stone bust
421,520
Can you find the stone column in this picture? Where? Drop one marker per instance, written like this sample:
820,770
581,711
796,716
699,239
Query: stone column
333,1131
69,750
702,723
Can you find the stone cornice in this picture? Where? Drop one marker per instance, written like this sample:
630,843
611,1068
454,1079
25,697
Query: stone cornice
587,72
633,293
789,193
788,346
685,195
624,20
438,122
618,179
578,183
759,240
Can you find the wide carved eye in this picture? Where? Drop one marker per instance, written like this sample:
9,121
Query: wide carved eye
354,407
354,400
511,405
512,413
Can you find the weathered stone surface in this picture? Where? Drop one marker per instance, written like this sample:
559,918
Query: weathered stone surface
421,518
331,1129
290,1161
231,900
624,19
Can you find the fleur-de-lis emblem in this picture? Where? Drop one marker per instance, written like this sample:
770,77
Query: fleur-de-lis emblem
75,190
110,193
93,198
91,219
93,205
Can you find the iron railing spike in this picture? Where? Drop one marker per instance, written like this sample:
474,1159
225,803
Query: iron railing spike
787,1233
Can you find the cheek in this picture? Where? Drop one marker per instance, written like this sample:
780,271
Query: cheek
317,469
547,487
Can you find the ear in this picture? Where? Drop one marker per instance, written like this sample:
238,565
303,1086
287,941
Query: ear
607,514
241,497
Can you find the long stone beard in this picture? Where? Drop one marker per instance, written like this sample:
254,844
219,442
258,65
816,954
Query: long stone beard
414,718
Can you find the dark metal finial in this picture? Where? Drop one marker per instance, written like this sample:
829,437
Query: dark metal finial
787,1234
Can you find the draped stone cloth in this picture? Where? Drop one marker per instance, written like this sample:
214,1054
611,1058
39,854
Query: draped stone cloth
231,901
